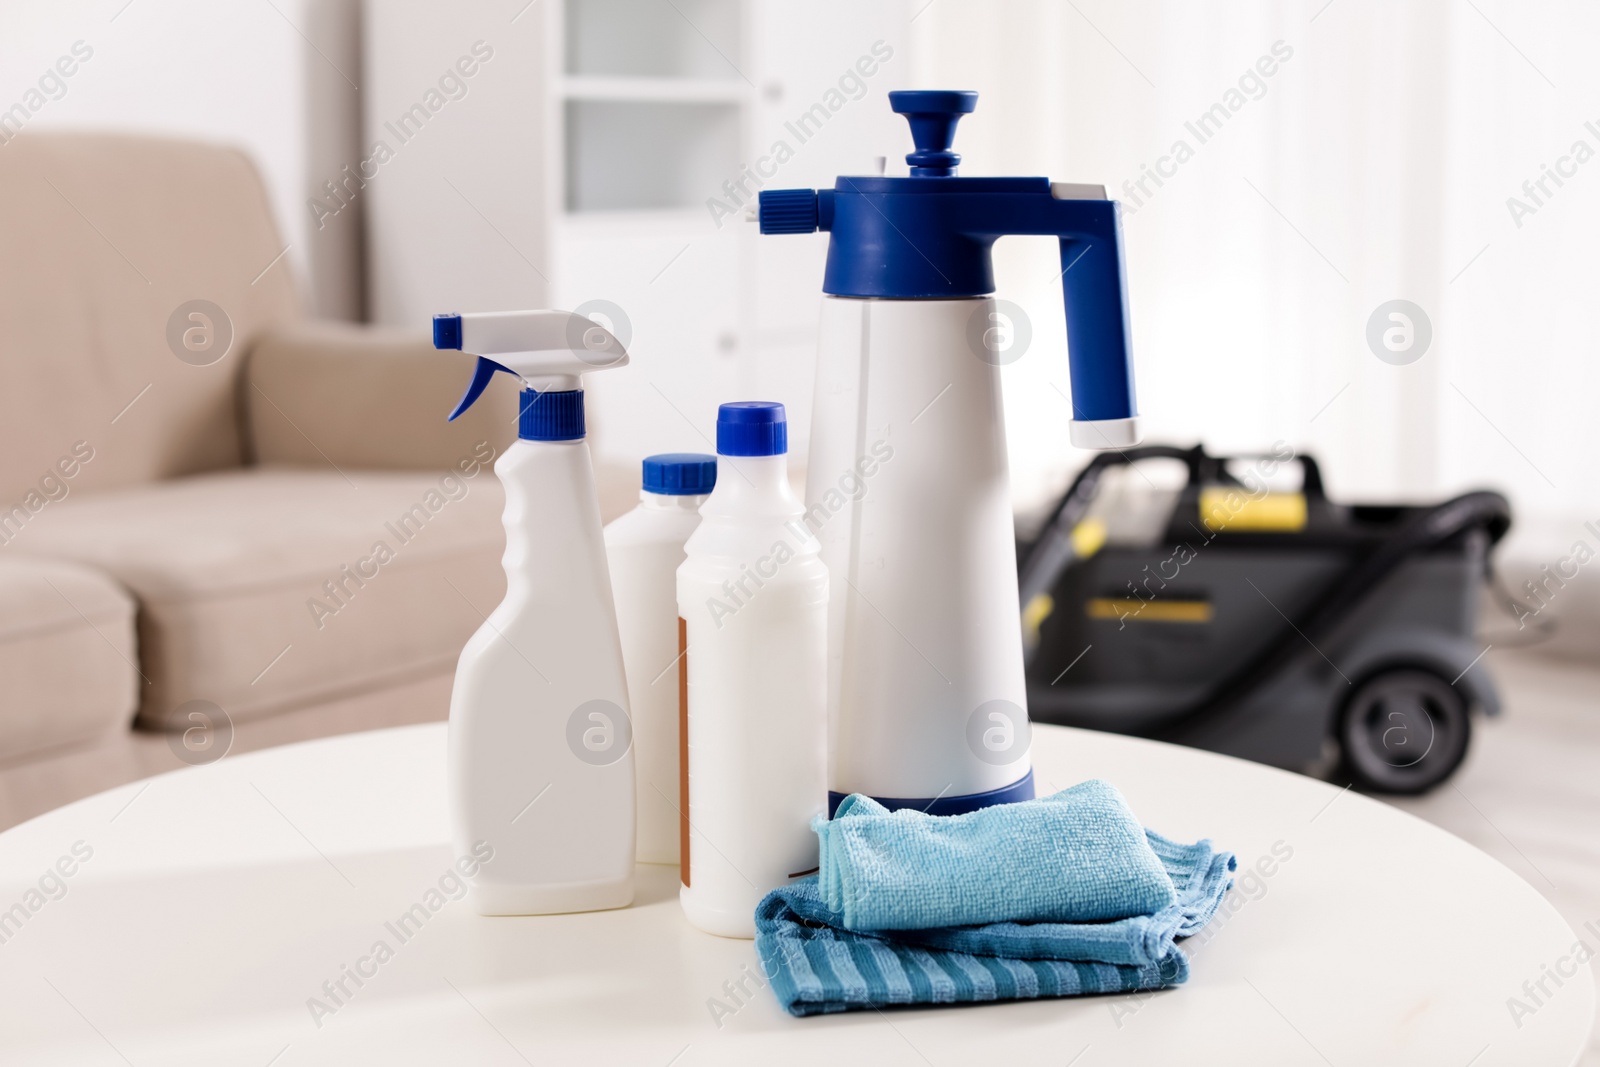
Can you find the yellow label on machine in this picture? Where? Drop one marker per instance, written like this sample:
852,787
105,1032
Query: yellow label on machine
1225,508
1088,537
1134,609
1033,616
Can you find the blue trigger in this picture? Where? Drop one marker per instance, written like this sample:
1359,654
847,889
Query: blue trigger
482,373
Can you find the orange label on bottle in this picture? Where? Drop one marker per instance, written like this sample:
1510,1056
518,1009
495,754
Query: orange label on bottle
683,750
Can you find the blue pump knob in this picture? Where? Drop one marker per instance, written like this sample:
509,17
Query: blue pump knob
933,114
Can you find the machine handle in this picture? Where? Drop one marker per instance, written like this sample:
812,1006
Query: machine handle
1216,470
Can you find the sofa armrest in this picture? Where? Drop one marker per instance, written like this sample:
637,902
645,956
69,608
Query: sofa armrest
321,394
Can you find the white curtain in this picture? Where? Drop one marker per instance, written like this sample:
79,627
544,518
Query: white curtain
1373,164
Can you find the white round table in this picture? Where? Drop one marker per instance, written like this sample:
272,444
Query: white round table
220,905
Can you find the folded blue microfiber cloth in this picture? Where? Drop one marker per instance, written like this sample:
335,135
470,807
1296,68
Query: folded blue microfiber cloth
1076,856
1102,916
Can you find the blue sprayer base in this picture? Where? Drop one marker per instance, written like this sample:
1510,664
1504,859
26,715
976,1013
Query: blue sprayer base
1021,789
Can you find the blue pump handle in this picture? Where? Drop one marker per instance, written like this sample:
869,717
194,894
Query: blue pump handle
929,237
937,244
1094,292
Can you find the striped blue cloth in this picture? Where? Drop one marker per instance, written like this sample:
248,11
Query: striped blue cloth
817,964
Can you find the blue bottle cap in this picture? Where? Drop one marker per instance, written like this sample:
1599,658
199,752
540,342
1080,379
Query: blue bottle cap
752,428
680,474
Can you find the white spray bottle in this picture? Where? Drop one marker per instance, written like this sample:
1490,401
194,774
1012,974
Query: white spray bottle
541,760
926,694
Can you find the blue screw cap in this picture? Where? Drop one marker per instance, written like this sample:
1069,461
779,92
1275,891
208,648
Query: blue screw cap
680,474
752,428
551,416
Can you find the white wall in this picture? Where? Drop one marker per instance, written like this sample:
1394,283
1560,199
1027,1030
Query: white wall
267,77
461,200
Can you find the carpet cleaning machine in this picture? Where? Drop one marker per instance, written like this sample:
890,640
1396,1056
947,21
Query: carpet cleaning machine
1233,616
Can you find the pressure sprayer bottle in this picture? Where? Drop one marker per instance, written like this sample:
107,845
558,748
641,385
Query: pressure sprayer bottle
927,703
540,762
753,597
645,548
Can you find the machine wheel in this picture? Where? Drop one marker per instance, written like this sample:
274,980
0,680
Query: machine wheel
1404,730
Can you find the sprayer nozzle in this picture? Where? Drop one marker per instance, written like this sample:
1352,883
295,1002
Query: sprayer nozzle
447,331
787,210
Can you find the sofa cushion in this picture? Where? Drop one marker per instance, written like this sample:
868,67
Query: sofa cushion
67,655
266,587
330,393
104,242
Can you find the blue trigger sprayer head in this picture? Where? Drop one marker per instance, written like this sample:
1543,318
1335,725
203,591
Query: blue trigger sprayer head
546,350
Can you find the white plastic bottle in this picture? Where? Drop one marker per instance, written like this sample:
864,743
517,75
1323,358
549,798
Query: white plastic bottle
644,548
753,595
540,762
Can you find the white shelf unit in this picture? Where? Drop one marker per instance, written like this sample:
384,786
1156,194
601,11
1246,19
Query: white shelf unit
644,90
651,111
660,155
679,40
595,149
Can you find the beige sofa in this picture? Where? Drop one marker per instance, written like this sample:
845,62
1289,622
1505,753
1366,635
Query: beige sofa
283,519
